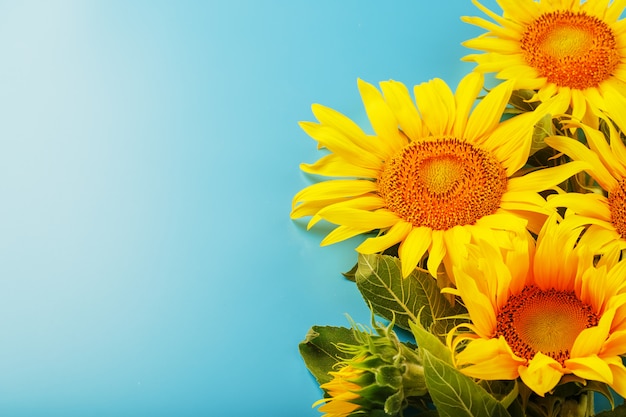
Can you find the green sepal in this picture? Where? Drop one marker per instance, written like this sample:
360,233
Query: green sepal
319,350
389,376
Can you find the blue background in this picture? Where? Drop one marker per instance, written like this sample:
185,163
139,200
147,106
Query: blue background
149,155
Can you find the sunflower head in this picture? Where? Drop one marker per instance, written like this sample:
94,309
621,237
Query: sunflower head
605,155
380,374
436,173
569,48
558,309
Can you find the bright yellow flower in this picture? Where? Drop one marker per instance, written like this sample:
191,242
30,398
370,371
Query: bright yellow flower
432,177
557,47
607,159
543,313
341,391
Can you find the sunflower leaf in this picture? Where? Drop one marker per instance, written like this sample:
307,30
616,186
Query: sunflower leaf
319,349
457,395
379,278
542,130
619,411
429,342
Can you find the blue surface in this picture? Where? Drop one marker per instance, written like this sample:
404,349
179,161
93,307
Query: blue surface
150,152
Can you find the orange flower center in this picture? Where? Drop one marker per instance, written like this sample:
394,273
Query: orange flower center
442,183
617,206
546,321
570,49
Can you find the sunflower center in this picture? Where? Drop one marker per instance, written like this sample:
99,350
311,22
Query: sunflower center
442,183
570,49
617,206
546,321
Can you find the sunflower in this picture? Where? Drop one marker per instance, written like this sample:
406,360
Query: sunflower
606,214
432,177
545,313
556,47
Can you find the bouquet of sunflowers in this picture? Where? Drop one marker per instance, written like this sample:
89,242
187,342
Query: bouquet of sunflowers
496,227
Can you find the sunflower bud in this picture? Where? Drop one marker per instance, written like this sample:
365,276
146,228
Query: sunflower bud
380,374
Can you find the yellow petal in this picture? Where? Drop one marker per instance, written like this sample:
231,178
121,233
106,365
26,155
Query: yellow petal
465,98
599,144
488,112
436,252
332,118
382,118
478,304
596,8
593,205
395,234
412,249
399,100
615,10
342,233
525,11
580,152
619,376
546,178
542,373
309,208
490,359
334,166
615,345
589,342
503,221
436,105
334,189
510,141
358,218
339,144
591,367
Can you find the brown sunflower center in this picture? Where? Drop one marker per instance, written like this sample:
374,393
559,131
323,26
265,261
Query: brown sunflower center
570,49
617,206
546,321
442,183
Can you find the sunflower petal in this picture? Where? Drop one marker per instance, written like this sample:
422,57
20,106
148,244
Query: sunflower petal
488,112
546,178
580,152
358,218
334,166
383,120
542,373
465,98
412,249
342,233
399,100
334,189
591,367
436,104
395,234
489,359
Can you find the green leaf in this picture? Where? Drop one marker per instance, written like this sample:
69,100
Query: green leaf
520,101
616,412
543,129
457,395
349,275
379,278
320,352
